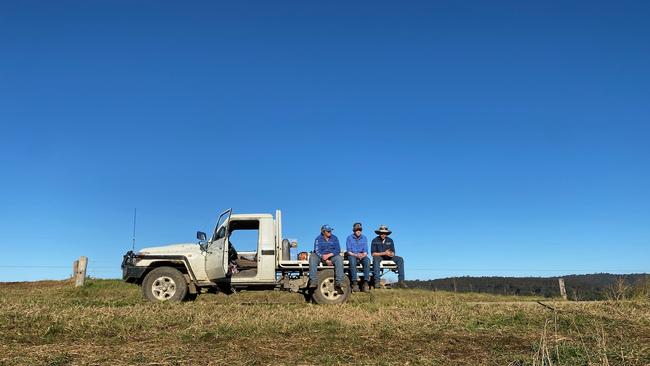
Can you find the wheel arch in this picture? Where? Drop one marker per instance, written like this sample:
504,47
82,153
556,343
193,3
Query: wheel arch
178,262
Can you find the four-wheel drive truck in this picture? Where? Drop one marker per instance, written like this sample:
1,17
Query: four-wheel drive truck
182,271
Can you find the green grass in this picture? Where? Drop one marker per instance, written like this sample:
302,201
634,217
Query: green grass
108,322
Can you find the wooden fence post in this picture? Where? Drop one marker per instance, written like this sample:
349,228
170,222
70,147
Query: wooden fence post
81,271
562,288
75,264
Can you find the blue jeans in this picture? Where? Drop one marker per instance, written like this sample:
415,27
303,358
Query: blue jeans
365,263
314,261
376,261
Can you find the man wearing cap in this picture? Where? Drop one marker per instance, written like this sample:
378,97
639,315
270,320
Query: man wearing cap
356,246
383,248
326,249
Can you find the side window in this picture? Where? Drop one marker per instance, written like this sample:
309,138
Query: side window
244,235
220,234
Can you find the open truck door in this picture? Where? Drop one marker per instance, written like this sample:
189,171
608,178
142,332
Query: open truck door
216,259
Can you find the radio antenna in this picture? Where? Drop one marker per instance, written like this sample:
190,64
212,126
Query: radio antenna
135,213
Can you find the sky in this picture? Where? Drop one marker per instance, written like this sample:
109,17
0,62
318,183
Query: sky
499,138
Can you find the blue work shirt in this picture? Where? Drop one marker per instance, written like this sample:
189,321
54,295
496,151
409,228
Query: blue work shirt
322,246
356,245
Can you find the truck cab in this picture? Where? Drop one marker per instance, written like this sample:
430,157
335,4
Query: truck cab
245,251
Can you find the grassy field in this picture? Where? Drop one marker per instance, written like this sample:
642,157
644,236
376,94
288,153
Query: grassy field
108,323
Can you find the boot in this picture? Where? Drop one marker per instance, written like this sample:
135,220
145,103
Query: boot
355,287
365,287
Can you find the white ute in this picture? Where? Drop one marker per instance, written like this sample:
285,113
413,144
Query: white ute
182,271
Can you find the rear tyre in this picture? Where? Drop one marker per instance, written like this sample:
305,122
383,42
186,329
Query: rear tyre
325,293
164,284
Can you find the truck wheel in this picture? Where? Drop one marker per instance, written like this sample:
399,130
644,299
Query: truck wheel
325,292
164,284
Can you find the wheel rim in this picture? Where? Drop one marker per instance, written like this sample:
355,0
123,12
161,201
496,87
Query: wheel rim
327,289
163,288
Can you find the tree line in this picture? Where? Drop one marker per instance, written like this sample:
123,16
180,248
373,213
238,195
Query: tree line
598,286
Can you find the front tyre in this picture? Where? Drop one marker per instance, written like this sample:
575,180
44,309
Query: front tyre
325,293
164,284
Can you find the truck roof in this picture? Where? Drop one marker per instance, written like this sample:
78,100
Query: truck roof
251,216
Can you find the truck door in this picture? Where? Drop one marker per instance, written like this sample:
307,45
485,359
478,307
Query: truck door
216,265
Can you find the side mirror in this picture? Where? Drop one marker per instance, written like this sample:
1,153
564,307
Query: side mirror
201,235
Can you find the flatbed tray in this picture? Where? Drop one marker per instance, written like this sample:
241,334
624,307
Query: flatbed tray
296,264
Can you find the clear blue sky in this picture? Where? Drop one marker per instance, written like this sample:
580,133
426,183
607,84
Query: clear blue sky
494,138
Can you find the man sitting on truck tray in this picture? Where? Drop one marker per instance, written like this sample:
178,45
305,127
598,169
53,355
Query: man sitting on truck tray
356,246
328,250
383,248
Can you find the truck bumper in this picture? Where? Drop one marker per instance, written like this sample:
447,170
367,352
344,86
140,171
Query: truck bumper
130,272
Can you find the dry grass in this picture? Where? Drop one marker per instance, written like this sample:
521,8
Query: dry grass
107,323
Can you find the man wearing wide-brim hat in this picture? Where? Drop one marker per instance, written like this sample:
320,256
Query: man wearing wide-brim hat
383,248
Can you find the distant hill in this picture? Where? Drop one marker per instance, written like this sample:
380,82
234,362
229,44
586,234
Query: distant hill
598,286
